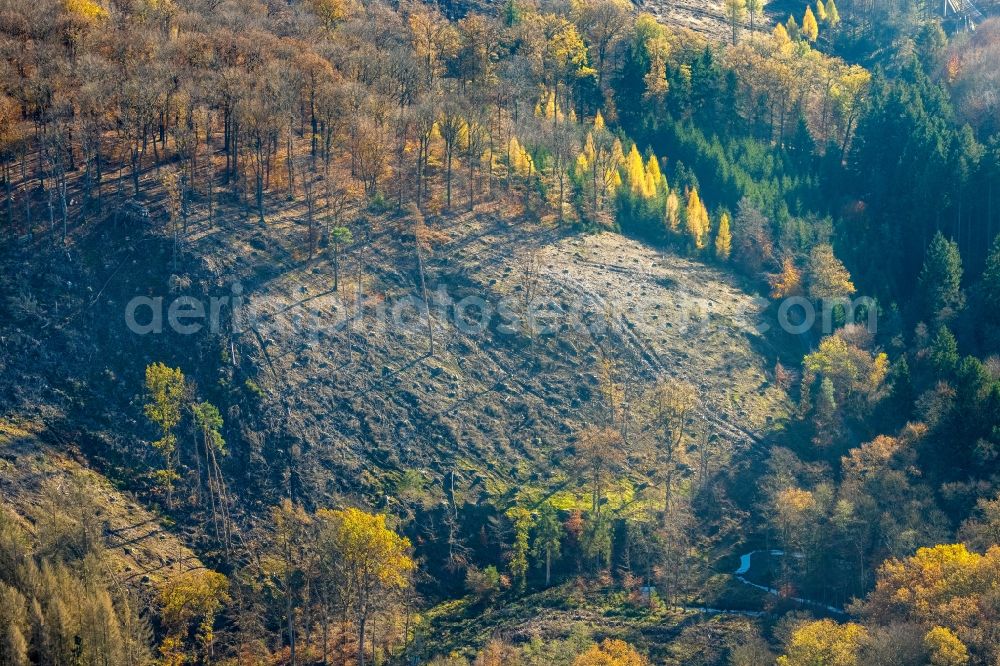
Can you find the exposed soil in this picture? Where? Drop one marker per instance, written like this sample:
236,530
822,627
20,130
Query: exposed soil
360,391
705,17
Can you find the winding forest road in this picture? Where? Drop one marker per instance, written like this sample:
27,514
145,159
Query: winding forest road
740,575
744,568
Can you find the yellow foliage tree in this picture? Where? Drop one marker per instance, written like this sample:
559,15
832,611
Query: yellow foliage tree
723,239
945,586
597,166
810,29
89,10
820,10
781,35
565,52
656,182
636,173
944,648
520,160
793,508
373,562
828,278
651,36
611,652
548,106
736,12
853,371
825,643
697,220
552,110
191,599
673,211
332,13
788,282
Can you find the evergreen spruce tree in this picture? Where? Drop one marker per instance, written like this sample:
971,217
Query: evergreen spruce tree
940,281
944,352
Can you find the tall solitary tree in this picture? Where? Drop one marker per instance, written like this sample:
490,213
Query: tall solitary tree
166,391
673,403
451,125
209,423
548,537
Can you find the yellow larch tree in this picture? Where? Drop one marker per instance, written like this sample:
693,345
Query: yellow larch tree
656,182
636,173
597,165
723,239
673,211
697,220
820,10
781,35
788,282
810,29
520,160
548,106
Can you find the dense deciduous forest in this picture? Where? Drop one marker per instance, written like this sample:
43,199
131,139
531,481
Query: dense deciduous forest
823,494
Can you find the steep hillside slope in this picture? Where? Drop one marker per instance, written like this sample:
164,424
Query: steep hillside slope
335,388
352,373
60,502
